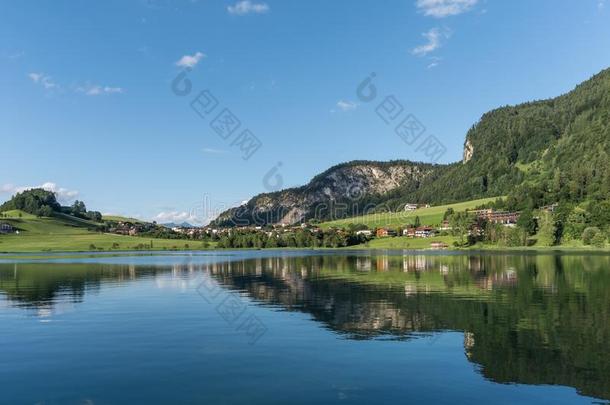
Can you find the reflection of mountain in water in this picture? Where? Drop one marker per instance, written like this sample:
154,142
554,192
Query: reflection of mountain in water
527,319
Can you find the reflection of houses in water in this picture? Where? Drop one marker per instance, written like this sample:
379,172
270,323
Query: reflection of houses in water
363,263
468,343
417,263
382,263
507,278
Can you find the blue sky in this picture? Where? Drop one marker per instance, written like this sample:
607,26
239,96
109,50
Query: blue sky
87,106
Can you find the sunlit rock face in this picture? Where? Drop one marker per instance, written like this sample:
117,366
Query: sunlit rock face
348,183
468,151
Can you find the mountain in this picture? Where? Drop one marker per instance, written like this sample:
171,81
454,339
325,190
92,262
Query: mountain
352,185
536,153
175,225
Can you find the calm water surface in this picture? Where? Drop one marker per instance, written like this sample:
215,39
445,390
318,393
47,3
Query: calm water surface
305,327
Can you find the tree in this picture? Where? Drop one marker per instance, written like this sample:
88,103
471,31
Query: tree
417,222
460,225
547,230
527,222
78,208
94,216
45,211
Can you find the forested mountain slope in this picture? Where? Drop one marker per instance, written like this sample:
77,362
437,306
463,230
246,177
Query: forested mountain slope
537,153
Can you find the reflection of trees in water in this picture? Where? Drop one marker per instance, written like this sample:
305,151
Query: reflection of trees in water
39,285
529,319
526,318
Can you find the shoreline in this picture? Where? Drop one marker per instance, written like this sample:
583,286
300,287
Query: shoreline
42,255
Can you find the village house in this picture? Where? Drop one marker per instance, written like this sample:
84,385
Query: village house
385,232
410,232
365,232
6,228
420,232
445,226
413,207
424,232
410,207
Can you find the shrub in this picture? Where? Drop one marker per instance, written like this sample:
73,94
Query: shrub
589,234
599,240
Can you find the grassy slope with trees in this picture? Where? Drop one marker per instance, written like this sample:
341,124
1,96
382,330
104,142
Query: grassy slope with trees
426,216
44,225
538,153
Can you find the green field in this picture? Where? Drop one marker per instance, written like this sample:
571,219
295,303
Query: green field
69,234
427,216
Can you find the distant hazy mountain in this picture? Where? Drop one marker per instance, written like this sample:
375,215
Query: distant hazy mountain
175,225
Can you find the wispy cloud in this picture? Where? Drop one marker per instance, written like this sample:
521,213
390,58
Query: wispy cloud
43,80
434,38
444,8
601,4
190,61
14,55
64,195
346,105
434,62
247,7
213,151
177,217
49,84
98,90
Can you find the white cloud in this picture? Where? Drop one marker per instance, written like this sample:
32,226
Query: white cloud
346,105
434,37
63,194
98,90
43,80
190,61
601,4
444,8
247,7
176,217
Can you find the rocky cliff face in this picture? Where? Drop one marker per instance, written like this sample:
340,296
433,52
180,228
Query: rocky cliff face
345,185
468,151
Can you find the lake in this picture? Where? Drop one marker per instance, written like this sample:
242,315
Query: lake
279,327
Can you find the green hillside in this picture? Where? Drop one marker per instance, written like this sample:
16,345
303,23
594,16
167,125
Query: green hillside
67,234
537,153
427,216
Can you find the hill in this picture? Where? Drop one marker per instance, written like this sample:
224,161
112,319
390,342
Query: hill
536,153
65,234
427,216
35,222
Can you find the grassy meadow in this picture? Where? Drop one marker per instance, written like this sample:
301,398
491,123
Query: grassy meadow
69,234
427,216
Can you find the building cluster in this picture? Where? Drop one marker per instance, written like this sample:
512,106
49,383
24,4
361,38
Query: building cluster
269,230
131,228
191,232
505,218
